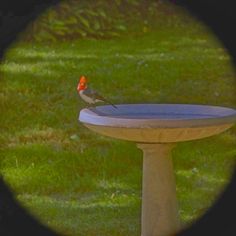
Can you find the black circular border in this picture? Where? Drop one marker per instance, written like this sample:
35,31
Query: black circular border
220,17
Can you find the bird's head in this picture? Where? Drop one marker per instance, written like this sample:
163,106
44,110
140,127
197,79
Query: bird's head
82,85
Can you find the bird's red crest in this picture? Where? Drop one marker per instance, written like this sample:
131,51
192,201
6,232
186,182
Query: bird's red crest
82,83
83,79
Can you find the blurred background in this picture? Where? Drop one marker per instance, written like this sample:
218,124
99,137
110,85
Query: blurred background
81,183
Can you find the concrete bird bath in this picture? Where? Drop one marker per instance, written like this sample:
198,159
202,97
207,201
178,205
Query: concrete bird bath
156,128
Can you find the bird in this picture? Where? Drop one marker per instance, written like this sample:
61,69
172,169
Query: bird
90,96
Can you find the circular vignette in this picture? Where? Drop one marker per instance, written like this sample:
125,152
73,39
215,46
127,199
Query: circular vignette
219,16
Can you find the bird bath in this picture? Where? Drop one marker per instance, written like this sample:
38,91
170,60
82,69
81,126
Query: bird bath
156,128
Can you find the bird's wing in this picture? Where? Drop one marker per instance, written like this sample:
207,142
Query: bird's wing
98,96
95,95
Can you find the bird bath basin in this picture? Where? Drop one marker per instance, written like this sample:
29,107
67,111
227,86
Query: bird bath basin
155,128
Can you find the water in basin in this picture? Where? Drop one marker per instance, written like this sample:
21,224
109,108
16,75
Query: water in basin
163,111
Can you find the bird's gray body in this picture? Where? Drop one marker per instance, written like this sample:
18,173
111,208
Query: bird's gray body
91,97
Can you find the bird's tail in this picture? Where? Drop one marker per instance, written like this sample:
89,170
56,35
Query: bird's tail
110,103
101,98
113,105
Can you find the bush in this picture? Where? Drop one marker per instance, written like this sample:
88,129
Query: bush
75,19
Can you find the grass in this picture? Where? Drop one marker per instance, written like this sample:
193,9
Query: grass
81,183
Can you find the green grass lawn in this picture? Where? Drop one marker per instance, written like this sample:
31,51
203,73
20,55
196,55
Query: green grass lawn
81,183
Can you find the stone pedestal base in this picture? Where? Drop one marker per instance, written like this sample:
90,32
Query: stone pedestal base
159,203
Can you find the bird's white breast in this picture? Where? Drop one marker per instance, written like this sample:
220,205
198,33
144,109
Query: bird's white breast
86,98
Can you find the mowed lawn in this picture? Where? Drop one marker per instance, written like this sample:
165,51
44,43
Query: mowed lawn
81,183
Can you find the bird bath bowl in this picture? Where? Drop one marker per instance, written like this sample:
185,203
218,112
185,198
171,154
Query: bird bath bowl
155,128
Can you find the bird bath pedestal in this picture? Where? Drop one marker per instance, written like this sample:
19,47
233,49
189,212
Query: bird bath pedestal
156,128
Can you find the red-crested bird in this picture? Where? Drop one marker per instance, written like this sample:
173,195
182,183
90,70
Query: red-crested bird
90,96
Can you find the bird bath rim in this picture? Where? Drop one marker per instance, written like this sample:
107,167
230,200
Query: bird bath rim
158,116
